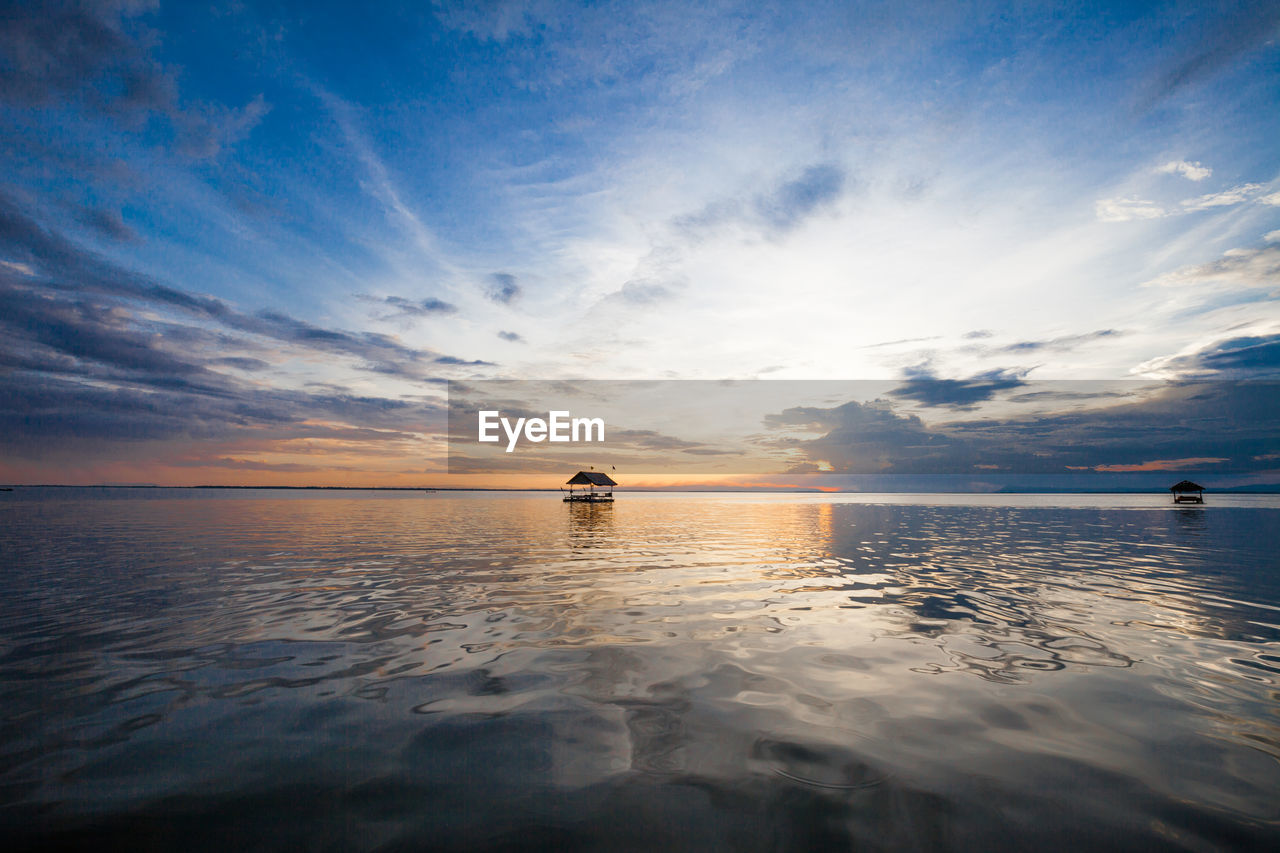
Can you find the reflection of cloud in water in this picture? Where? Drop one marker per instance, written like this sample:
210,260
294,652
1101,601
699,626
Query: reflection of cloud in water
763,672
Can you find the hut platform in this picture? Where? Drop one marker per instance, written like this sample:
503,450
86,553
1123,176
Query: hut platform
589,498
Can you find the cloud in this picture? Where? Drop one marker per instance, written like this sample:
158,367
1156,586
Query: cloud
1225,198
66,416
865,437
513,337
58,335
108,223
1191,171
1237,268
205,130
647,439
380,184
1188,463
454,360
901,341
957,393
93,352
503,288
816,188
84,53
1237,31
780,209
551,46
256,465
55,49
243,363
61,265
1246,357
427,307
1064,342
1127,209
639,293
1215,426
644,292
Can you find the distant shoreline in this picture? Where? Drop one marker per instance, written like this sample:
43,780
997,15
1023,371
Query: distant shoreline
1252,490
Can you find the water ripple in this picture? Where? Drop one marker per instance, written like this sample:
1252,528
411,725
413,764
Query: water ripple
883,675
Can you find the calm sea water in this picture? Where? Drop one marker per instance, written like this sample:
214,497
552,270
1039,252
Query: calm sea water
373,671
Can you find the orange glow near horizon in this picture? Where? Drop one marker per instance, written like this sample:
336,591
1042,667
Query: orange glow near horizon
1162,464
341,469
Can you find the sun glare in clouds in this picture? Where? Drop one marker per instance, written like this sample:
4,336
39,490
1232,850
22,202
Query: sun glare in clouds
219,226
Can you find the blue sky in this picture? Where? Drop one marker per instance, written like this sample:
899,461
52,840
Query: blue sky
252,240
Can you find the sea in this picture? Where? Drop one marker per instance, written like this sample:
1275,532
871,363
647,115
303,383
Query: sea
394,671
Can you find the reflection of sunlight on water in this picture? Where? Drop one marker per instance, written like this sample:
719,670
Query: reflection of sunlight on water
853,664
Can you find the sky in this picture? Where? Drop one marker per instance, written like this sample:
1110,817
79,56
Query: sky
254,242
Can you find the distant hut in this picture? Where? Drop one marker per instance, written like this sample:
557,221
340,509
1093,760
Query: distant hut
1182,492
592,480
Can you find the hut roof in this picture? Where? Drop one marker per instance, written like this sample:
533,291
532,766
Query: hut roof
590,478
1186,486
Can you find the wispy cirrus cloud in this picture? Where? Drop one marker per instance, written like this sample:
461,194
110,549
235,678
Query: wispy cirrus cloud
1224,198
1129,208
1123,209
1062,342
1257,267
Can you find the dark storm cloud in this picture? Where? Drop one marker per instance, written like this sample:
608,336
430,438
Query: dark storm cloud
502,287
957,393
